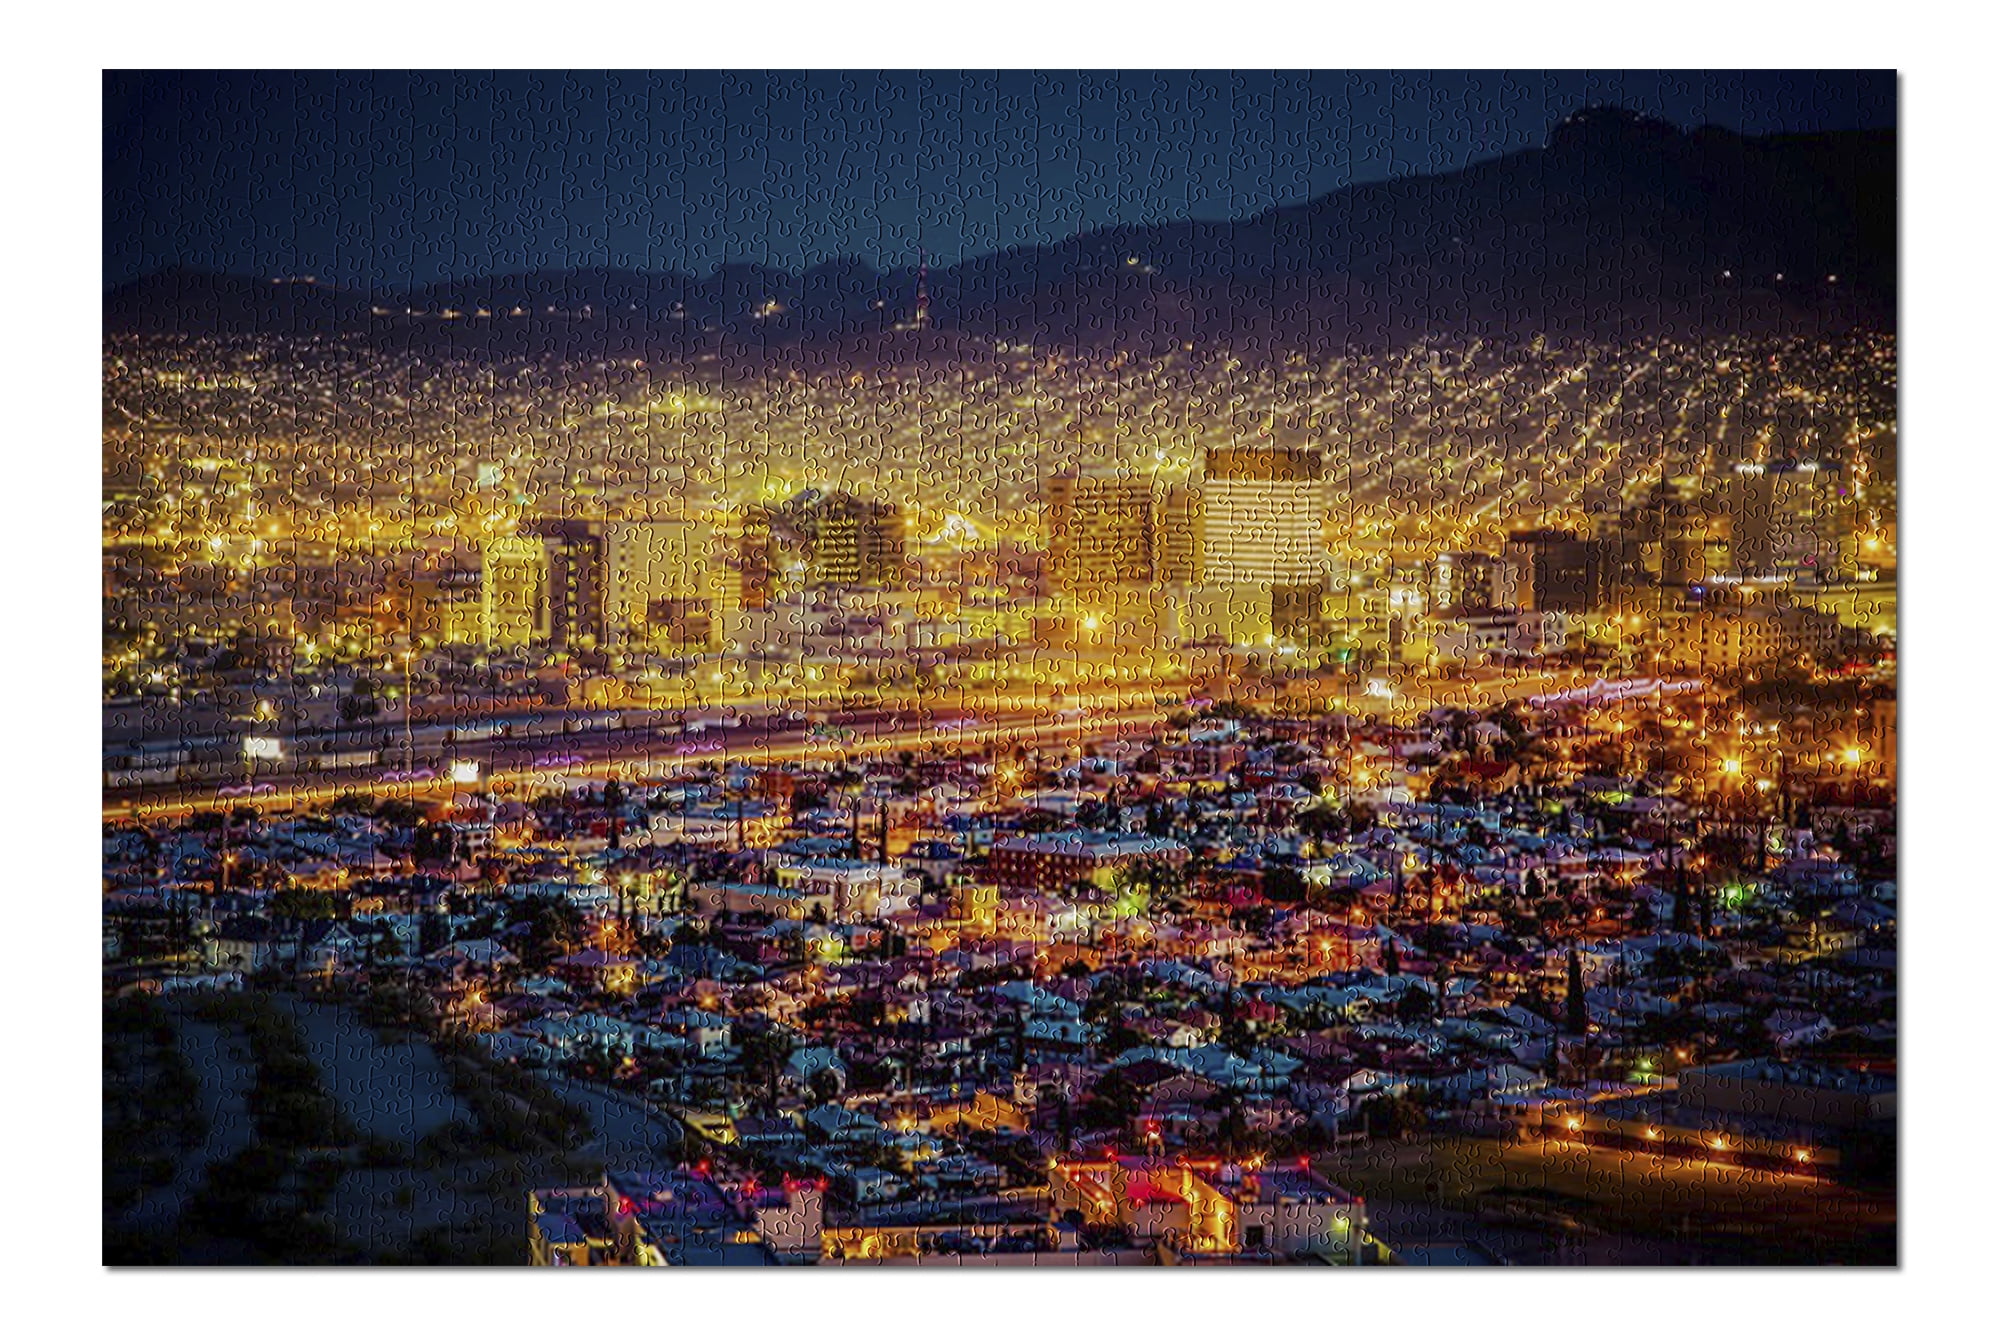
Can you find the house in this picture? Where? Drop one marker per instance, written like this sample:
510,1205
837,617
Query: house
247,944
481,953
806,1065
332,947
843,1126
1794,1028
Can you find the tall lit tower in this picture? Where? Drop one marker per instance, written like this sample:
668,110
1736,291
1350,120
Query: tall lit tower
512,592
1102,530
1263,510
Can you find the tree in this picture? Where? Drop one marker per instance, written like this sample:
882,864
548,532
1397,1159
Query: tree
1683,909
765,1052
1577,1008
1393,1116
1284,885
1319,823
304,905
1415,1006
614,802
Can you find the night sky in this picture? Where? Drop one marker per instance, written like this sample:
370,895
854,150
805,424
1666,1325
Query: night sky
400,179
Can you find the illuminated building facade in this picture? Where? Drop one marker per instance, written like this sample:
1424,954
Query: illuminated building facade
446,607
1102,530
1263,510
1550,570
512,592
576,583
848,542
1783,519
1057,861
1215,1208
660,584
1462,582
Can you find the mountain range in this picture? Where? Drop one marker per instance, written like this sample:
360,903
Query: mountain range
1617,224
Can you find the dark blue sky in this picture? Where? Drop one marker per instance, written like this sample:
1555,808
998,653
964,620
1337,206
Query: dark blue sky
398,179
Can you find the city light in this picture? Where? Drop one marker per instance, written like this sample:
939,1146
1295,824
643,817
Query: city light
896,759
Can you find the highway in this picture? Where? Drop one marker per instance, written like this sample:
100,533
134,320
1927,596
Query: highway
633,753
648,752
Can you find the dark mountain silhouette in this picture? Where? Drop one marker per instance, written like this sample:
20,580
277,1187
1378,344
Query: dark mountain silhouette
194,301
1618,224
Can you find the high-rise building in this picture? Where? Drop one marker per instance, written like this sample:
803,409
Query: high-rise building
575,582
755,568
1783,519
446,607
1103,530
513,592
1263,512
1462,582
1670,541
1549,570
1178,533
660,582
849,542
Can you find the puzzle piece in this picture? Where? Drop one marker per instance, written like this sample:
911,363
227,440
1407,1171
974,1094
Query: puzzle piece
1000,670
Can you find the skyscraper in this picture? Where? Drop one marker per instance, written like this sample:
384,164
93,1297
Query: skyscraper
1102,530
660,577
1462,582
1262,514
1178,530
1263,510
754,568
512,592
446,607
575,582
1783,519
849,542
1550,570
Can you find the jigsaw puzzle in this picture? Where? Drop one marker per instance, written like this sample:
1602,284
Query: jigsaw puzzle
999,670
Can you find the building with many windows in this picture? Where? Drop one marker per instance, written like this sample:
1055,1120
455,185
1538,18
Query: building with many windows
1101,531
661,585
1058,860
576,603
512,592
1263,510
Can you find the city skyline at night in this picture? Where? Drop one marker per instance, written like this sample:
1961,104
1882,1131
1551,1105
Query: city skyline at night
999,671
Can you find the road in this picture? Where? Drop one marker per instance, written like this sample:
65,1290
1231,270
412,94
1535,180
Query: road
1645,1208
629,754
885,729
625,1133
